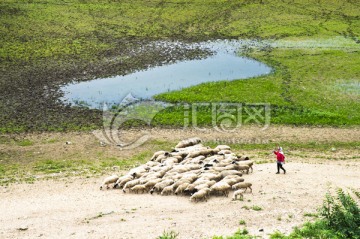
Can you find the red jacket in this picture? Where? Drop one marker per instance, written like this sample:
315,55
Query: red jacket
279,156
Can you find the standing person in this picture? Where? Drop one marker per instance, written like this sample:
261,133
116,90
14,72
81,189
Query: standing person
280,159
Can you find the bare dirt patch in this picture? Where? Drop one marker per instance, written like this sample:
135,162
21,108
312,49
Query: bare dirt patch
74,207
78,209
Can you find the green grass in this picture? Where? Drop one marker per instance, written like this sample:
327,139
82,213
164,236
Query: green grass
242,222
308,87
168,235
240,234
256,208
11,171
313,47
24,142
77,28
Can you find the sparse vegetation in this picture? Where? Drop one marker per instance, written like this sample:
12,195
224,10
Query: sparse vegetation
169,235
242,222
339,218
256,208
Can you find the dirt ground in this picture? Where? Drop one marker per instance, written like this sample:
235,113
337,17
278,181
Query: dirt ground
74,207
71,208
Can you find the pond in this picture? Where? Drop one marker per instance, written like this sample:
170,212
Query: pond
223,64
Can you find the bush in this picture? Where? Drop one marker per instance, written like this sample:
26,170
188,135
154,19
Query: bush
339,219
342,214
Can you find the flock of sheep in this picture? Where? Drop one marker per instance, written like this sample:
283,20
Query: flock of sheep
190,169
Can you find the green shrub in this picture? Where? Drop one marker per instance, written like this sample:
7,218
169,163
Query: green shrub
168,235
342,214
339,219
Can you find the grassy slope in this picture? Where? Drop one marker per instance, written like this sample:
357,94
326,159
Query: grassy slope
51,28
304,85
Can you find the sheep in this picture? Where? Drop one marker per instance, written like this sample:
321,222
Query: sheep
131,184
170,161
138,189
151,183
249,163
201,186
223,152
161,185
197,160
223,147
156,154
221,187
238,193
167,190
242,185
180,182
190,189
152,164
180,155
181,188
188,142
230,156
109,180
242,167
232,181
121,181
202,152
200,195
230,172
162,157
211,176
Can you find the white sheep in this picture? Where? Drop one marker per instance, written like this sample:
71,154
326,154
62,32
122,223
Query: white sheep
167,190
190,189
244,168
200,195
242,185
188,142
122,180
223,152
151,183
138,189
161,185
181,188
230,172
221,187
109,180
232,181
249,163
204,152
158,153
238,193
201,186
223,147
131,184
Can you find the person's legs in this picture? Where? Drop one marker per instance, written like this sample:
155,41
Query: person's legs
280,165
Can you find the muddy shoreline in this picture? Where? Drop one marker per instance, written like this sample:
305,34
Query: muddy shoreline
30,91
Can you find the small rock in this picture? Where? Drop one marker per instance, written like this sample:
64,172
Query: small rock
116,168
24,228
261,230
102,144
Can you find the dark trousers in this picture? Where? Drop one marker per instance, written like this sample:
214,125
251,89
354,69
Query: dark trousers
279,166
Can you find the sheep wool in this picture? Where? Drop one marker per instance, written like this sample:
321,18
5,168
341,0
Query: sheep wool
190,169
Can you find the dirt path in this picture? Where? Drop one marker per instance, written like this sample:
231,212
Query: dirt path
65,209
